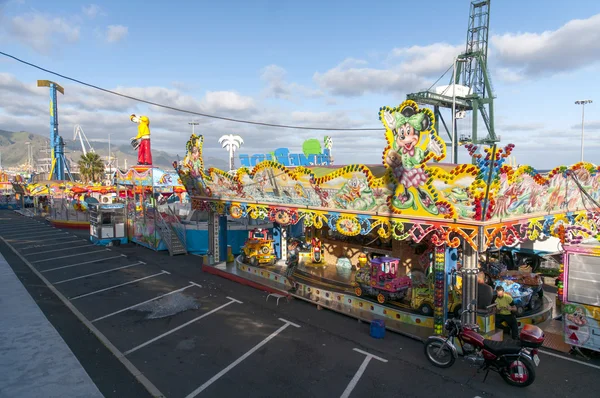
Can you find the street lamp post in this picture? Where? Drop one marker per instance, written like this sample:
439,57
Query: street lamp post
582,103
193,124
109,156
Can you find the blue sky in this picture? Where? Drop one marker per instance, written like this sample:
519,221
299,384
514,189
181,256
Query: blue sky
319,63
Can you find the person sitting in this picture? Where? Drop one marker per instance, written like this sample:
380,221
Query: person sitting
505,306
485,293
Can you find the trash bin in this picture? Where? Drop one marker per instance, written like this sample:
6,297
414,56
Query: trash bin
377,329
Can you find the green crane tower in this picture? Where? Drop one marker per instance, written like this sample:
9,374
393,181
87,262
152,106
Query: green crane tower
471,72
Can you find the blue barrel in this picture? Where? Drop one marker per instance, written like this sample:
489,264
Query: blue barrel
377,329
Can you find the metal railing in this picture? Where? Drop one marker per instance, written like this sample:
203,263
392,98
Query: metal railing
178,227
164,230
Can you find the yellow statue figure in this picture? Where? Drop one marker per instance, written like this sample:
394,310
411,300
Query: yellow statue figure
141,141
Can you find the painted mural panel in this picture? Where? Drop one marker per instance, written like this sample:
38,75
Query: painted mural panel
411,184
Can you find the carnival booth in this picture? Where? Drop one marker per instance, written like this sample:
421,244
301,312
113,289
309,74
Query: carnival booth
107,223
7,193
428,221
146,191
580,294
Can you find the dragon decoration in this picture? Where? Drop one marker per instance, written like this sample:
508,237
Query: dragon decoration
410,197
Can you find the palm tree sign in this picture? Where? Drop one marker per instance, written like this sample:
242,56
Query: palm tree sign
231,143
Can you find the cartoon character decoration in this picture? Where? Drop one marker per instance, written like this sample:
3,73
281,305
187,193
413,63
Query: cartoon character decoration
141,141
355,194
193,158
412,142
576,327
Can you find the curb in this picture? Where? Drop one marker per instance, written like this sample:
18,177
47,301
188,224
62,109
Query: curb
242,281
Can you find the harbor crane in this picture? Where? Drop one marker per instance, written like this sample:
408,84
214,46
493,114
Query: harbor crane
78,132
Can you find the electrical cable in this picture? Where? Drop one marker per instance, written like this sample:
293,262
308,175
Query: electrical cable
188,111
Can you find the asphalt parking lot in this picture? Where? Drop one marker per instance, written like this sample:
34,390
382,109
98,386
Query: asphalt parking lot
185,334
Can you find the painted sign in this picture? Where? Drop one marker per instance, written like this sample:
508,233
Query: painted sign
283,156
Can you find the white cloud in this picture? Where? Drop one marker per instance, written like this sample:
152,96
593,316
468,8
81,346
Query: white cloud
352,82
42,32
215,101
412,68
116,33
572,46
277,86
91,11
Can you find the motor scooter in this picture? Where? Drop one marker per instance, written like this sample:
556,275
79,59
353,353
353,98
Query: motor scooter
515,361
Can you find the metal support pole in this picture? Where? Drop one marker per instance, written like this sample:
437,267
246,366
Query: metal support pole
469,281
454,151
284,234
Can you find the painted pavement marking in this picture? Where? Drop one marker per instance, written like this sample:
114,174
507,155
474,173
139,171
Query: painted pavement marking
51,244
143,302
152,389
98,273
58,250
24,229
232,300
119,285
569,359
34,232
240,359
18,238
83,263
20,242
360,371
70,255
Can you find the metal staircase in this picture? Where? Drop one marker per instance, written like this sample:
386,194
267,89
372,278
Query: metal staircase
172,234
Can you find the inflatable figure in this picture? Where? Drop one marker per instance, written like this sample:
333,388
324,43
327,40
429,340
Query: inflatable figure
141,141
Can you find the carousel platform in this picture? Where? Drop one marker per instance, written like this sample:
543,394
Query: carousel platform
325,287
270,279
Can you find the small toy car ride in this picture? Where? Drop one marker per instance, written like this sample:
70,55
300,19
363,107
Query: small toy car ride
381,279
259,249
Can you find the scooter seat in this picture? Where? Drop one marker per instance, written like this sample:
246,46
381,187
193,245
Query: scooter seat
502,347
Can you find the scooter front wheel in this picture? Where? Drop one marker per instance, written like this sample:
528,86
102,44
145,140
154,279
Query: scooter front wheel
439,353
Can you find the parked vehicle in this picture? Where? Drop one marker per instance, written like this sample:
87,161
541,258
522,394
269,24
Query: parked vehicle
514,361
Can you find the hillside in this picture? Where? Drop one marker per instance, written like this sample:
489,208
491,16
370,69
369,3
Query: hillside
14,151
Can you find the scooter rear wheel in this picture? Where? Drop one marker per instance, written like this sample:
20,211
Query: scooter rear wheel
519,373
439,354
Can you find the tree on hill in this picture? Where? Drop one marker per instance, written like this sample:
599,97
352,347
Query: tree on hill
91,168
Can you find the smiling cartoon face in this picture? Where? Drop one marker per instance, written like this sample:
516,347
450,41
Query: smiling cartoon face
407,137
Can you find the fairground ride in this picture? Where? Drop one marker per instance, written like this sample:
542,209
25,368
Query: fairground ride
59,162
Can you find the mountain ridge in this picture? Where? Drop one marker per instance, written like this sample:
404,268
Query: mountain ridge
15,152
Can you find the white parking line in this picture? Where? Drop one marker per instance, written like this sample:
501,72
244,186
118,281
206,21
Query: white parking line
360,372
116,286
240,359
155,392
98,273
70,255
25,229
232,300
52,244
18,238
58,250
569,359
40,231
83,263
20,242
143,302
